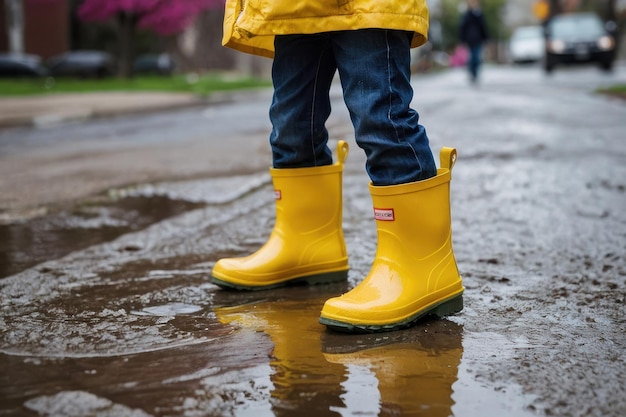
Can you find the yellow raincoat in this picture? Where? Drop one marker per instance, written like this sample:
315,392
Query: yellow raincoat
250,25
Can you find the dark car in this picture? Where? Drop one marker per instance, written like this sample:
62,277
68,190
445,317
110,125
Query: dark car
82,64
21,65
160,64
578,38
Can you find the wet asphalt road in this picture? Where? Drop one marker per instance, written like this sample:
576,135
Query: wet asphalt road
111,227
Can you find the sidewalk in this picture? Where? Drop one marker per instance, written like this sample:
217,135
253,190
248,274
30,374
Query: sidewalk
53,109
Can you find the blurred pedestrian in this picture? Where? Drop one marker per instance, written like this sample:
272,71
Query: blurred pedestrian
473,33
368,42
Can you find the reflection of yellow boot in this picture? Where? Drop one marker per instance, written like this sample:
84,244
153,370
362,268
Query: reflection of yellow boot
307,243
302,379
414,272
413,379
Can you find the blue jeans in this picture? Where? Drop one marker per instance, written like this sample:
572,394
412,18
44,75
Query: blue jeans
374,68
474,61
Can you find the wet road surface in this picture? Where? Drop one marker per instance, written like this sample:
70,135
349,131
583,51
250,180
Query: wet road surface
106,308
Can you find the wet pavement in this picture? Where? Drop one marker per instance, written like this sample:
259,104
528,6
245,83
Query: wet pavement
106,309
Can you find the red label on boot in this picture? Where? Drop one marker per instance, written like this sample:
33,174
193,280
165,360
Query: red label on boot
277,195
384,214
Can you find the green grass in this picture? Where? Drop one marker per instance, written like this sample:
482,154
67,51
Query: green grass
618,90
202,85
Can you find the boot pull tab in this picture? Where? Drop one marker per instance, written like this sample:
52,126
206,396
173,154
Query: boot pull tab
447,158
342,151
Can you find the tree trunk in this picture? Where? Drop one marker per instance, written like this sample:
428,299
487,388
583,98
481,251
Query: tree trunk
555,8
612,11
127,23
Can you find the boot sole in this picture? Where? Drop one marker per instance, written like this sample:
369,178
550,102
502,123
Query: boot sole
446,308
317,279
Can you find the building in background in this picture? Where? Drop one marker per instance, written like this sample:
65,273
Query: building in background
44,27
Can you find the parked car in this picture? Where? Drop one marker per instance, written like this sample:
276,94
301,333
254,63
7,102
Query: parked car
578,38
21,65
82,64
527,44
161,64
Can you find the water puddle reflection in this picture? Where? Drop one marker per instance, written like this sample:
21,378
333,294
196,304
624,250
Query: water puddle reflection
410,372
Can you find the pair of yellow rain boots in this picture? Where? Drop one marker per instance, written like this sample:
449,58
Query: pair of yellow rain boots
414,272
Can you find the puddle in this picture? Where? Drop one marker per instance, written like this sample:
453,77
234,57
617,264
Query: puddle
423,370
409,372
41,236
26,244
233,353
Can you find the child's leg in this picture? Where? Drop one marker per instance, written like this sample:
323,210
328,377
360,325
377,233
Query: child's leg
375,70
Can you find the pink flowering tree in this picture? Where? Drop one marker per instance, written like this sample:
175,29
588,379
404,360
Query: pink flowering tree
163,17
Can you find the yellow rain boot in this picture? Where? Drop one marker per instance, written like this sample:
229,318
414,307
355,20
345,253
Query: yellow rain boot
307,243
414,272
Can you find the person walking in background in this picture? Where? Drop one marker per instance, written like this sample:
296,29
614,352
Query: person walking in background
368,42
473,33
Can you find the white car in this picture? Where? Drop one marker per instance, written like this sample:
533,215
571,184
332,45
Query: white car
527,44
